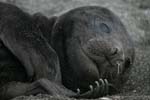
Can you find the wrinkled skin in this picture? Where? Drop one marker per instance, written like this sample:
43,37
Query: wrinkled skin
91,44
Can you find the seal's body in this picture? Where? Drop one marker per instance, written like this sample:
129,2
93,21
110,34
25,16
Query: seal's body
24,41
90,42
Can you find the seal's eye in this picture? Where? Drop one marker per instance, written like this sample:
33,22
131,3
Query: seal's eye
104,28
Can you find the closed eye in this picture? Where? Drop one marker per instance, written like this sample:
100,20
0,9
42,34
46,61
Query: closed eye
104,28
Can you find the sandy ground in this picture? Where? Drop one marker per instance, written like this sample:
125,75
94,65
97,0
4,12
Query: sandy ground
136,88
135,14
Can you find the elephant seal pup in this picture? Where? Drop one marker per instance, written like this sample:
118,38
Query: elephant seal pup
92,44
28,64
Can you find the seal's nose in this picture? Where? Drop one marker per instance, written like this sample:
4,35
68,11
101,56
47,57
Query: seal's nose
115,51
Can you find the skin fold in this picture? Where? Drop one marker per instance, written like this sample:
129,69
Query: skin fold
83,53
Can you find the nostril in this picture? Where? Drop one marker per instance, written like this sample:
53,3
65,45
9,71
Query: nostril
115,51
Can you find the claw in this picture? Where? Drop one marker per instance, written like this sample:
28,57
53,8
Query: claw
91,87
103,86
96,90
105,98
97,84
106,86
78,91
101,80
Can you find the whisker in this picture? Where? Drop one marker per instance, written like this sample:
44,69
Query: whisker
118,68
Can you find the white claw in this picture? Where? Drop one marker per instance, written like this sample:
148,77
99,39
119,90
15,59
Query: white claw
101,80
97,84
91,87
78,91
118,68
105,98
106,85
106,81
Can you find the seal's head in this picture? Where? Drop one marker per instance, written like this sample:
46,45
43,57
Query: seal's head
108,53
108,45
95,44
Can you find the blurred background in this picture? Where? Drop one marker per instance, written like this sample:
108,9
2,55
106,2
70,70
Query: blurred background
135,14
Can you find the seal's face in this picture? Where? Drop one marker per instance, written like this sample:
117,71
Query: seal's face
105,48
92,43
108,56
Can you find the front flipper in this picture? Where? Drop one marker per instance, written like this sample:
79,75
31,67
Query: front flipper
43,86
98,89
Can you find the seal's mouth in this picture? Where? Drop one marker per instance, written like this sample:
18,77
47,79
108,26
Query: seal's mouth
109,69
117,65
